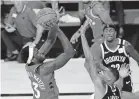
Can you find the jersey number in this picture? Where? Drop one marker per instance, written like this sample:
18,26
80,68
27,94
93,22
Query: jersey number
37,95
117,66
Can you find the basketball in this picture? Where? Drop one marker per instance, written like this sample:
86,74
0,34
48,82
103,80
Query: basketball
47,18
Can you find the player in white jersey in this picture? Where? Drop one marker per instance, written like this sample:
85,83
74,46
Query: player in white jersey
41,74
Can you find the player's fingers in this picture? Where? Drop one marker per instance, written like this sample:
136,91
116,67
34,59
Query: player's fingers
76,39
72,41
127,67
72,38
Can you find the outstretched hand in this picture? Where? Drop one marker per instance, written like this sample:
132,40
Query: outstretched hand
124,70
75,37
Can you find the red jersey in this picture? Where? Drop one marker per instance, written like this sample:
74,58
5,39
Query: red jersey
44,87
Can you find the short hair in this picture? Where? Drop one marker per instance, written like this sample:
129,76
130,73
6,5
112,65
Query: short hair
26,55
115,72
110,26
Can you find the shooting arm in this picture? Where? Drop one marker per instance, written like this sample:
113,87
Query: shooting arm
39,28
39,32
62,59
50,41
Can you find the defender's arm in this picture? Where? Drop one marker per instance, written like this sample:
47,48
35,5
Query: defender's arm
90,60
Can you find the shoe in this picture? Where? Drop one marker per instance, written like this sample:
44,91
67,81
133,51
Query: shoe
13,57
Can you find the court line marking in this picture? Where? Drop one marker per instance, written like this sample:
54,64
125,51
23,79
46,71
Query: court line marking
30,94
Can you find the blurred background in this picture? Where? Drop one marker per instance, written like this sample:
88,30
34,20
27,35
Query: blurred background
123,13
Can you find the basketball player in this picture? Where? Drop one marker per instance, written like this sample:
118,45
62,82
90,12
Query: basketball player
97,15
41,74
115,52
104,79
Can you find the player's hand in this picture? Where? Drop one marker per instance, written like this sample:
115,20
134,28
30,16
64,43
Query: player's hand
124,70
9,28
60,12
75,37
30,44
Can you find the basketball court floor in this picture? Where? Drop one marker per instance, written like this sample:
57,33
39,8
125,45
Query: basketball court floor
73,80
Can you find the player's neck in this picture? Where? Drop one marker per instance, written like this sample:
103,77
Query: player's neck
113,44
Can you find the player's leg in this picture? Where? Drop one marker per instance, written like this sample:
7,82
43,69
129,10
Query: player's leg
127,84
10,46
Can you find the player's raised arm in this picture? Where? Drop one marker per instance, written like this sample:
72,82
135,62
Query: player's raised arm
62,59
52,34
90,60
77,34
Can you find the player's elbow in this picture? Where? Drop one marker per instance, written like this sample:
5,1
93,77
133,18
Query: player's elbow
70,52
51,40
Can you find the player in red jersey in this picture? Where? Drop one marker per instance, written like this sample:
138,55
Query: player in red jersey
41,74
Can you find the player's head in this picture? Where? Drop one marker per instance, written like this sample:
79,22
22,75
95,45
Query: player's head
28,55
47,18
109,33
19,5
110,75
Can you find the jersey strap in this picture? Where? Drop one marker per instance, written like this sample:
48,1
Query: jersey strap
121,43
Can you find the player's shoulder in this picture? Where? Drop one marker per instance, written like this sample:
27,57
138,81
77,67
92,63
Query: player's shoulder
126,43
